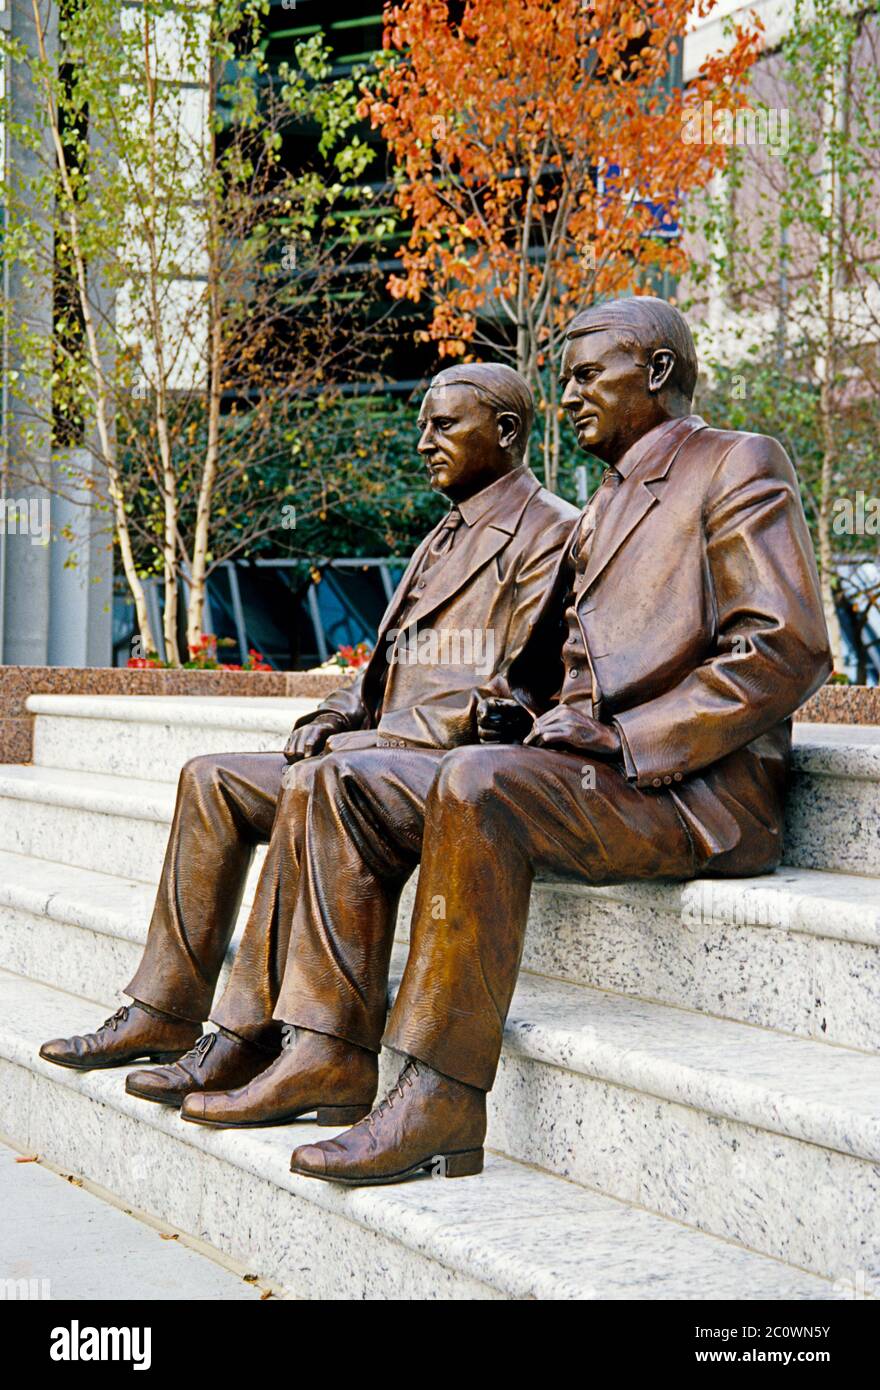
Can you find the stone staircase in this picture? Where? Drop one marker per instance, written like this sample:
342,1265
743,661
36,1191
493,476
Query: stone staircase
688,1104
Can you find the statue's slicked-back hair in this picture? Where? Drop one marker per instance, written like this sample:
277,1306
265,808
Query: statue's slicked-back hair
500,386
652,323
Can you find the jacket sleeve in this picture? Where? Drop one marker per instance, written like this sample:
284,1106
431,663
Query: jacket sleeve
771,648
344,708
536,673
542,575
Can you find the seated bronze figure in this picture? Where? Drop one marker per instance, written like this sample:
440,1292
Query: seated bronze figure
683,628
474,587
635,724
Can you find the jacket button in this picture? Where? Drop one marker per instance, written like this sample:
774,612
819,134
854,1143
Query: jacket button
667,781
574,674
656,782
677,776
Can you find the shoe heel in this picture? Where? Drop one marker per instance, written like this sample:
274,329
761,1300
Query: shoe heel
463,1165
341,1114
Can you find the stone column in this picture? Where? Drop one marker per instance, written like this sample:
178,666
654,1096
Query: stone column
26,566
51,612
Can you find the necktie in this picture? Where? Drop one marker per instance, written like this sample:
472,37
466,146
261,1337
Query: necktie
443,541
440,546
599,503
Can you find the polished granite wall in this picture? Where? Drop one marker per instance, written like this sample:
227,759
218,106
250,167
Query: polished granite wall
18,682
843,704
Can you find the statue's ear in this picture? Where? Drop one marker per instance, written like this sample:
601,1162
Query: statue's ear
660,368
508,429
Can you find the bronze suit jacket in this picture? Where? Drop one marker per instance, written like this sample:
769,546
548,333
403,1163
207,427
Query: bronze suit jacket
419,689
702,622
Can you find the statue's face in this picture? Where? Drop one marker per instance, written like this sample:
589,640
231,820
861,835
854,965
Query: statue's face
605,391
459,440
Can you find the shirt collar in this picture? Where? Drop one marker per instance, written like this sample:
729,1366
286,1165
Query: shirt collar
642,447
490,499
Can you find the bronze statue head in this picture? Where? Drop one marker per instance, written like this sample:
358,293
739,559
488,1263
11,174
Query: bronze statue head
627,366
475,422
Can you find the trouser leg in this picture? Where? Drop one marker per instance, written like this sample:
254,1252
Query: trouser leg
225,807
363,839
495,817
248,1002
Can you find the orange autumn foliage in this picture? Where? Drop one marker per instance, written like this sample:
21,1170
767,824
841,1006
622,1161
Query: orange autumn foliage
540,164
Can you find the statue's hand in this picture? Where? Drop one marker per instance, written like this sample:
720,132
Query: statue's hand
308,741
502,721
564,727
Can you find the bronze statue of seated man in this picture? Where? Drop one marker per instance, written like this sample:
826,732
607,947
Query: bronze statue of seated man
682,629
473,590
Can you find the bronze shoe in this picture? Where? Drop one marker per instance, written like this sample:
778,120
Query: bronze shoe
218,1060
317,1073
133,1034
427,1122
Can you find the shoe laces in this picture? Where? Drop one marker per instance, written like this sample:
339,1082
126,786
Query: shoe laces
199,1050
120,1016
404,1081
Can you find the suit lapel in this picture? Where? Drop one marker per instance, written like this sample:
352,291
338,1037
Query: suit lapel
476,548
477,545
377,663
635,497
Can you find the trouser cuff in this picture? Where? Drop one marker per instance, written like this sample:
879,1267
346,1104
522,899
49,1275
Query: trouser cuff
318,1019
459,1063
266,1036
161,1007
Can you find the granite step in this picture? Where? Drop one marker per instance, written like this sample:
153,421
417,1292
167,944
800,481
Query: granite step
151,737
733,1129
728,1127
93,820
797,951
766,1139
78,930
514,1233
833,819
833,814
